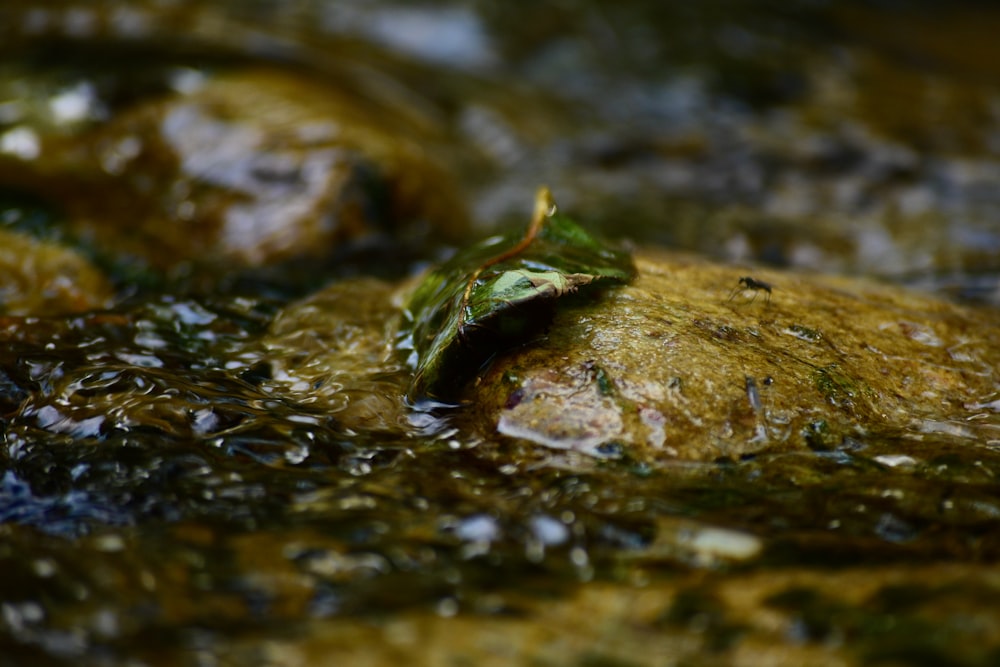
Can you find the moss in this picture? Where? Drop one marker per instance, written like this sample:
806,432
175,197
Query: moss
819,436
805,333
605,385
838,388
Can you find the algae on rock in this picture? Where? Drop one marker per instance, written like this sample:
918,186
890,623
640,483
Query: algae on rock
239,171
668,367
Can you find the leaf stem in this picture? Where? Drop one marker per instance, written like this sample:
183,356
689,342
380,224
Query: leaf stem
545,208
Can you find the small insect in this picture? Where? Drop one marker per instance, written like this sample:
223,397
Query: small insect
754,285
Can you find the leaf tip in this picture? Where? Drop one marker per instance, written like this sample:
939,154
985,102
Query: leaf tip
545,205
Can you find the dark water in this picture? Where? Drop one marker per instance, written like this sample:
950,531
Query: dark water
159,506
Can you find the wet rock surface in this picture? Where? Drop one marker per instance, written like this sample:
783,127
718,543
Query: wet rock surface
246,170
689,363
213,212
41,278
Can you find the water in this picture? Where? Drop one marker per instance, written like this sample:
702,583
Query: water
189,478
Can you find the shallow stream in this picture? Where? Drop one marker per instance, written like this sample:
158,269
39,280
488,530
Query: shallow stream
162,503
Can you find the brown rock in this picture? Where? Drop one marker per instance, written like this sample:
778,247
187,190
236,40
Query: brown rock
40,278
688,363
252,168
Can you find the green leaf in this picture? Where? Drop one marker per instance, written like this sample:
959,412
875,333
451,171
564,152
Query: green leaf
499,294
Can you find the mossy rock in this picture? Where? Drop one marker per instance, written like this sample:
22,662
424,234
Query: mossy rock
688,363
39,278
684,363
246,169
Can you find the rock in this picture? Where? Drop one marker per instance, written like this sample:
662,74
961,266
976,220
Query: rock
684,363
248,169
688,363
41,278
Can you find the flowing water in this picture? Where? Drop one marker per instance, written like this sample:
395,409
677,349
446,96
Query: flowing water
169,495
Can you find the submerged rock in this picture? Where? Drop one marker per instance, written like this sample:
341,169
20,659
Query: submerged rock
333,352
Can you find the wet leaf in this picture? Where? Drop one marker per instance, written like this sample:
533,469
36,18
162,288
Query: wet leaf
498,294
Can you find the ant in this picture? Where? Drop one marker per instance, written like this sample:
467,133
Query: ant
749,283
